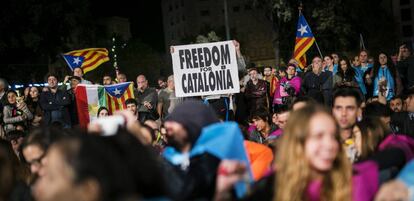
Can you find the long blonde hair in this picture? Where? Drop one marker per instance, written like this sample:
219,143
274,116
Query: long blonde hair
293,172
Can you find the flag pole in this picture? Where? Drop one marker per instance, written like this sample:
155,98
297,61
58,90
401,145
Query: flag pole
316,43
361,42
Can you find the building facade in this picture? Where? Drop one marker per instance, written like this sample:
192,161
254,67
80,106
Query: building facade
183,20
403,12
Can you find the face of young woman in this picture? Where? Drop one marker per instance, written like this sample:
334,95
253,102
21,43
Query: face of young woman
358,141
343,65
11,97
328,61
382,58
103,113
34,93
321,146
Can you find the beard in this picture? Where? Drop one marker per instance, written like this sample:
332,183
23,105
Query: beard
172,142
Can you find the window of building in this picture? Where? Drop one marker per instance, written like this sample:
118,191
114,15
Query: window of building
183,18
404,2
178,19
247,7
170,8
205,13
406,14
236,9
172,22
407,30
182,3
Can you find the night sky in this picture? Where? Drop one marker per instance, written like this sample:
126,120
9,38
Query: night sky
145,18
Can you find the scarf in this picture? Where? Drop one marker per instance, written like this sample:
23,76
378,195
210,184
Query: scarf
384,74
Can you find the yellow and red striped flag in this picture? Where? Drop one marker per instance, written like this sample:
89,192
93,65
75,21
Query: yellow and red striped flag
89,98
86,59
117,94
304,40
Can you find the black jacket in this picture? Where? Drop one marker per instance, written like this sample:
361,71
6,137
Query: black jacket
197,182
406,70
56,102
401,123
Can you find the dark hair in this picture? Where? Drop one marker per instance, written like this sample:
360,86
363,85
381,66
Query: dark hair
161,78
51,75
253,69
7,93
349,74
120,164
14,135
376,109
348,92
328,56
151,131
282,68
260,113
390,66
395,98
291,64
11,170
131,101
76,78
43,137
79,68
281,109
104,108
373,132
267,67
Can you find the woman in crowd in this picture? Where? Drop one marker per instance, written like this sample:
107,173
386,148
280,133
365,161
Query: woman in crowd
13,175
314,166
288,87
34,106
385,78
15,113
94,168
345,77
371,135
329,64
103,112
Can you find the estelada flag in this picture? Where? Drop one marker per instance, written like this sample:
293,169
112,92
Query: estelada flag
89,98
304,40
86,59
222,140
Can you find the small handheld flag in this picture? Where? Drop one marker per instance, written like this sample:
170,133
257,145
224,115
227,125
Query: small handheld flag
86,59
304,40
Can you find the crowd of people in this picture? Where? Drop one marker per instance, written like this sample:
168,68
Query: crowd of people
340,129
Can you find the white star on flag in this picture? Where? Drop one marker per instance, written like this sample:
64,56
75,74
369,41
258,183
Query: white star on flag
302,29
76,60
117,92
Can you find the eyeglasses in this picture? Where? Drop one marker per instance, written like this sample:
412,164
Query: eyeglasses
36,161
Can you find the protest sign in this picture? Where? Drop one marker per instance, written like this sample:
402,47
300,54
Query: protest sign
205,69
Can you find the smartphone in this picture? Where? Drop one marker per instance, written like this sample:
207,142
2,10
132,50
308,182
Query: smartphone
110,124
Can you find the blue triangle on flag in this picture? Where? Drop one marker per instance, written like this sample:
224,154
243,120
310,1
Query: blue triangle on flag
117,90
303,29
73,61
